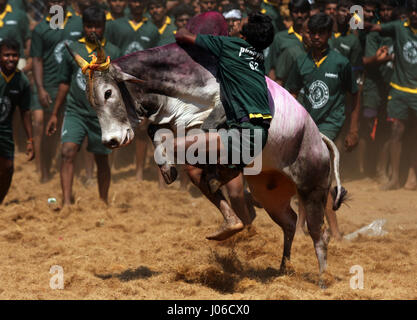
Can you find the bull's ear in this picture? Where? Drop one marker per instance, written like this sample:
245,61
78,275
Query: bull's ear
120,76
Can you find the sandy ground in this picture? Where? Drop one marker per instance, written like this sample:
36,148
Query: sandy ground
150,244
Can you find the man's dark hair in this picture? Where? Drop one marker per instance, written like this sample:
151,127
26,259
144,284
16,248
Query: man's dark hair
299,5
331,2
411,5
345,4
259,31
372,3
182,9
398,12
230,6
94,14
161,3
320,23
10,44
317,6
391,3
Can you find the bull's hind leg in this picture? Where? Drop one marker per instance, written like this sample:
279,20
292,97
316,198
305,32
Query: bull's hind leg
314,202
274,192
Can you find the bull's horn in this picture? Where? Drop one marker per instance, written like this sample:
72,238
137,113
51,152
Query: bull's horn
80,60
101,55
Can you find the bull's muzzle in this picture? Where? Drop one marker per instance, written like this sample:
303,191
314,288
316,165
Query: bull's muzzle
113,142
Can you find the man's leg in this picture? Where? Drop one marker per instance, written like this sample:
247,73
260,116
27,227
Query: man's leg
236,191
141,144
6,174
395,148
68,152
366,138
231,224
411,183
103,176
88,163
38,139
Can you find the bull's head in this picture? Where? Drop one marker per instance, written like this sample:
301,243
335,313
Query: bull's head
109,97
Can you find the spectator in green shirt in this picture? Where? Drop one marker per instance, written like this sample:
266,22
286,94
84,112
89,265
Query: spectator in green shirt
182,14
378,63
117,10
244,94
80,119
166,27
289,56
14,91
14,23
345,41
402,97
47,48
299,11
326,76
233,17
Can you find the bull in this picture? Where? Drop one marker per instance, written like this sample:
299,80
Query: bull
176,86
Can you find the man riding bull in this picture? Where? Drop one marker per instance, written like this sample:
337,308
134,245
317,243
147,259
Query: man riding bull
244,95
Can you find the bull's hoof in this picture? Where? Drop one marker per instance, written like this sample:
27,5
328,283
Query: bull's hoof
322,284
169,173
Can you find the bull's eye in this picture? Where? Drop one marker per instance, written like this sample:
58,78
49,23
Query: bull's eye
107,94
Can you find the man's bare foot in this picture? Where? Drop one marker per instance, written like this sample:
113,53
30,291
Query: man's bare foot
411,183
139,175
382,178
226,230
89,182
391,185
410,186
337,237
44,178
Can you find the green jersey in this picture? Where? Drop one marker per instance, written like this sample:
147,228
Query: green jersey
272,10
325,85
19,4
377,77
71,73
383,72
109,23
14,91
130,36
350,47
49,44
282,40
166,32
405,49
14,24
241,74
286,61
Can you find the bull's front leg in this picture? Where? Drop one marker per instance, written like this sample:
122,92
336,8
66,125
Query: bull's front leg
168,170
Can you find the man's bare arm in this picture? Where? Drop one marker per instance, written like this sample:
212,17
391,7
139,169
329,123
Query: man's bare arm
59,101
44,98
352,137
185,36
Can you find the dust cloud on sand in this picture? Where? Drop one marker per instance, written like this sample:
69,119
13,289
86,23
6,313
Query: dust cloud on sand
150,244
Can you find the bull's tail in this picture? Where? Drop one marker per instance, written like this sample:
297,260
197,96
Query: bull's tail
338,193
